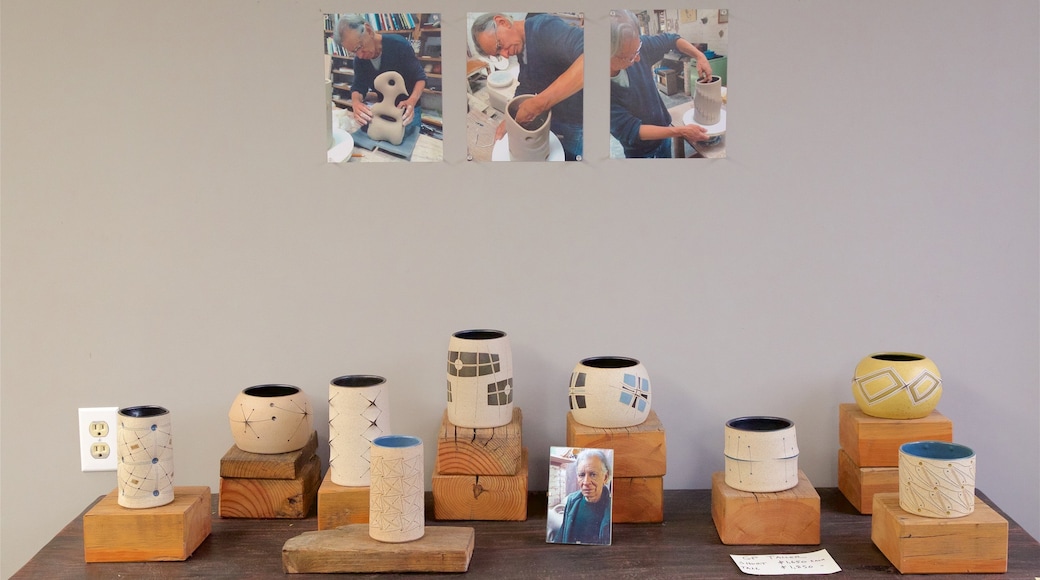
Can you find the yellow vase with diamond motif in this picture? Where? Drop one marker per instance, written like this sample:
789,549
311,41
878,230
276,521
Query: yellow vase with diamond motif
897,385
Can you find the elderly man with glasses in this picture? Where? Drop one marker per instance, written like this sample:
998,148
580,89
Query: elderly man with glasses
551,54
639,118
375,53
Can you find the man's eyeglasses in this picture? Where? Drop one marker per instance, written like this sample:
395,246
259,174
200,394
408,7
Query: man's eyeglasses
635,55
360,42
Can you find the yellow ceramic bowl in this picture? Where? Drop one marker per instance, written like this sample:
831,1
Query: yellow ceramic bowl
897,385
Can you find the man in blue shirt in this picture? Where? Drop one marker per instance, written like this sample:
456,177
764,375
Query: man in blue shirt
552,67
638,116
375,53
587,511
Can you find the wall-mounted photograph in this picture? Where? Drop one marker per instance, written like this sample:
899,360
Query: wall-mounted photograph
383,87
668,86
580,496
525,73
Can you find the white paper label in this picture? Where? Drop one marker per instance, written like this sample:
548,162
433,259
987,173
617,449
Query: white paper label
819,562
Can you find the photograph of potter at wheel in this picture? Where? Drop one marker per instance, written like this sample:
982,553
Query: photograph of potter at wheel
525,74
383,87
668,72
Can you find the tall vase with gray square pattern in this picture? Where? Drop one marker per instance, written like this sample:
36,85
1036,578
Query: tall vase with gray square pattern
480,379
359,411
397,505
145,461
610,392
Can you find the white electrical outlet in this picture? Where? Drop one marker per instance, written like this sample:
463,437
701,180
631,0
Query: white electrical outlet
97,438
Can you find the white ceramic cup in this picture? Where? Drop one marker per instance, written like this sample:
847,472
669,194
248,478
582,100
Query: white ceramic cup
936,479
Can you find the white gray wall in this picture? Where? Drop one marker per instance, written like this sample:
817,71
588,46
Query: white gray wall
171,234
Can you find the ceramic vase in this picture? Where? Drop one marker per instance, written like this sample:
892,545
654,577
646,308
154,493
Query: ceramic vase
359,411
387,122
145,457
936,479
530,141
897,385
609,392
480,379
761,454
707,101
271,419
396,502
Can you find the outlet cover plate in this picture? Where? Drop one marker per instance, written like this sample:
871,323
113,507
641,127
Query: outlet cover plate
97,425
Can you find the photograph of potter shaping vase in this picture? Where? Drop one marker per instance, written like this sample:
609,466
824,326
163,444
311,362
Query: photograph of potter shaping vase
525,75
668,73
383,87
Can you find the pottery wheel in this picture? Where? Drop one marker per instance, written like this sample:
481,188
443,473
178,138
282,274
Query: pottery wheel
501,150
713,130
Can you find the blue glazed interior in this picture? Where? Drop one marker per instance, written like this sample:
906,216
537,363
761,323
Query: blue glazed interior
397,441
937,450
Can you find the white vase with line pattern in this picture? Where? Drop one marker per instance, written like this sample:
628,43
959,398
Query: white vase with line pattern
480,379
144,442
359,412
271,419
397,504
609,392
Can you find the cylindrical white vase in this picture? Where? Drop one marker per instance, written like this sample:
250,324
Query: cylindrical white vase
396,503
761,454
936,479
530,141
145,461
271,419
359,411
610,392
480,379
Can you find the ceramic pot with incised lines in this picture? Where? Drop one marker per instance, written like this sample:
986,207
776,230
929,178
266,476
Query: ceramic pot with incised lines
761,454
396,498
897,385
480,379
359,411
271,419
144,442
936,479
609,392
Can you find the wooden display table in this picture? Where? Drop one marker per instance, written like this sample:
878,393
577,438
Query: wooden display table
685,546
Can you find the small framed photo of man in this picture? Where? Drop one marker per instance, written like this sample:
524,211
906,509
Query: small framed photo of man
668,72
580,496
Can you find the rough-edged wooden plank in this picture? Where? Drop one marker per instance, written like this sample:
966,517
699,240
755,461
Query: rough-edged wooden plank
490,451
243,464
351,549
271,498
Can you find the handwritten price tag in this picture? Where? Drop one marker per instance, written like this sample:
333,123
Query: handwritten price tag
819,562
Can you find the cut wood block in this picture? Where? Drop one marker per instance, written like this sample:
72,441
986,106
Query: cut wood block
113,533
243,464
481,497
491,451
859,484
638,451
874,442
351,549
271,498
638,500
785,517
975,543
339,505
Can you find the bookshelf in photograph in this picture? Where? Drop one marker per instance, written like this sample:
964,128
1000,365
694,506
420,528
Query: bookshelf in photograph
421,29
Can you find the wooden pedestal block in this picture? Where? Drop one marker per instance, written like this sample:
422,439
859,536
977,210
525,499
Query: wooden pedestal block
491,451
113,533
638,500
638,451
481,497
859,484
351,549
243,464
785,517
271,498
340,505
975,543
874,442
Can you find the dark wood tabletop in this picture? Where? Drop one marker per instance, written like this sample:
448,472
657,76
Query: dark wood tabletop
686,545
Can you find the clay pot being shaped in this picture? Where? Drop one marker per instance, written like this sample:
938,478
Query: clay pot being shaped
387,119
145,461
609,392
271,419
530,141
480,379
396,503
897,385
359,411
707,101
761,454
936,479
